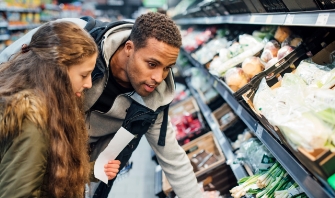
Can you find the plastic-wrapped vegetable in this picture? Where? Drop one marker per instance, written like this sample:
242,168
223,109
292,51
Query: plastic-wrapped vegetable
252,66
273,46
285,108
236,54
284,51
311,73
266,55
321,101
235,78
328,80
282,33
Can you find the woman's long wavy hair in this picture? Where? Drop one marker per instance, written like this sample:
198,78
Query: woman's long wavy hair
44,70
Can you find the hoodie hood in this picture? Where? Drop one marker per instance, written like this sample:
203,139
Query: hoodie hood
113,38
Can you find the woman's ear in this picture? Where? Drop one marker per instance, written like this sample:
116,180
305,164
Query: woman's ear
129,48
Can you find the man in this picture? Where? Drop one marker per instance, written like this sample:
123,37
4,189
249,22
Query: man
132,87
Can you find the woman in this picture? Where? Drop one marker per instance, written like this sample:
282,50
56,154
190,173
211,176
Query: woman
43,140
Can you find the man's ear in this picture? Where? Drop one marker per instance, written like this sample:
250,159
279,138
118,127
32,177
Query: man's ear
129,48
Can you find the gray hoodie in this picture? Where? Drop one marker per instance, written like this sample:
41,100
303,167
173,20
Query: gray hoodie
171,157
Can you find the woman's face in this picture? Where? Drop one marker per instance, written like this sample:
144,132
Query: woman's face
80,75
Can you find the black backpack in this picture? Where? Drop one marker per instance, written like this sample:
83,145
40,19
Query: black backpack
97,30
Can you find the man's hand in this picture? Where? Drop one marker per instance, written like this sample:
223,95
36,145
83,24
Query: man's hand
112,168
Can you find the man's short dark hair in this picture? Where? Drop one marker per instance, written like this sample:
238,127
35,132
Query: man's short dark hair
155,25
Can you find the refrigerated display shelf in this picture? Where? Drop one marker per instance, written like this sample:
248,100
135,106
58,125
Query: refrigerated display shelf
311,186
223,141
308,18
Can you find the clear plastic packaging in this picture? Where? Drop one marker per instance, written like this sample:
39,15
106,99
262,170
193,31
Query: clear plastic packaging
236,78
252,66
256,154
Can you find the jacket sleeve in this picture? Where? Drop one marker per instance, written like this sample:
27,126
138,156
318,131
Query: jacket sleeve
174,161
23,166
16,46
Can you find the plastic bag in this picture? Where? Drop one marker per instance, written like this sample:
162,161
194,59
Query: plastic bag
311,73
285,108
256,154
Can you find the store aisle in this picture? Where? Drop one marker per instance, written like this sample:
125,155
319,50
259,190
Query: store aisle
140,180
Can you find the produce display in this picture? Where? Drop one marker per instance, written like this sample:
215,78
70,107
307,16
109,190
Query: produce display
235,54
274,182
185,125
255,154
294,118
202,160
181,93
239,60
270,178
192,39
302,107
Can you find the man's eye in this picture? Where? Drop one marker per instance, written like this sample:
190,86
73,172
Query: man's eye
152,64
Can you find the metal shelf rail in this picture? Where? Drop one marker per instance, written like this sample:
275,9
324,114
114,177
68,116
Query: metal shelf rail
305,180
308,18
225,145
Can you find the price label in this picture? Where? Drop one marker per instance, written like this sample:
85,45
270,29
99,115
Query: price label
215,84
269,19
207,20
289,19
252,19
259,131
239,110
225,95
230,19
322,19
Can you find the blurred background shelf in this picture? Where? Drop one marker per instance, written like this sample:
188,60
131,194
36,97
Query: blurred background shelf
311,18
311,186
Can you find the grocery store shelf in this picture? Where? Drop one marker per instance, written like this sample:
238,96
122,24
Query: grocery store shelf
317,19
306,181
4,37
3,24
17,9
52,7
223,141
23,27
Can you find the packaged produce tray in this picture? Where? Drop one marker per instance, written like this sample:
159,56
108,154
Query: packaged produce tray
209,144
320,161
224,110
187,120
219,179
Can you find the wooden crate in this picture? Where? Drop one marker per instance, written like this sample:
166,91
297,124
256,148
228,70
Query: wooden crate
186,106
219,113
210,145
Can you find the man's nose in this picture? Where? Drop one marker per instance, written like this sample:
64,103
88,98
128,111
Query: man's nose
158,75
